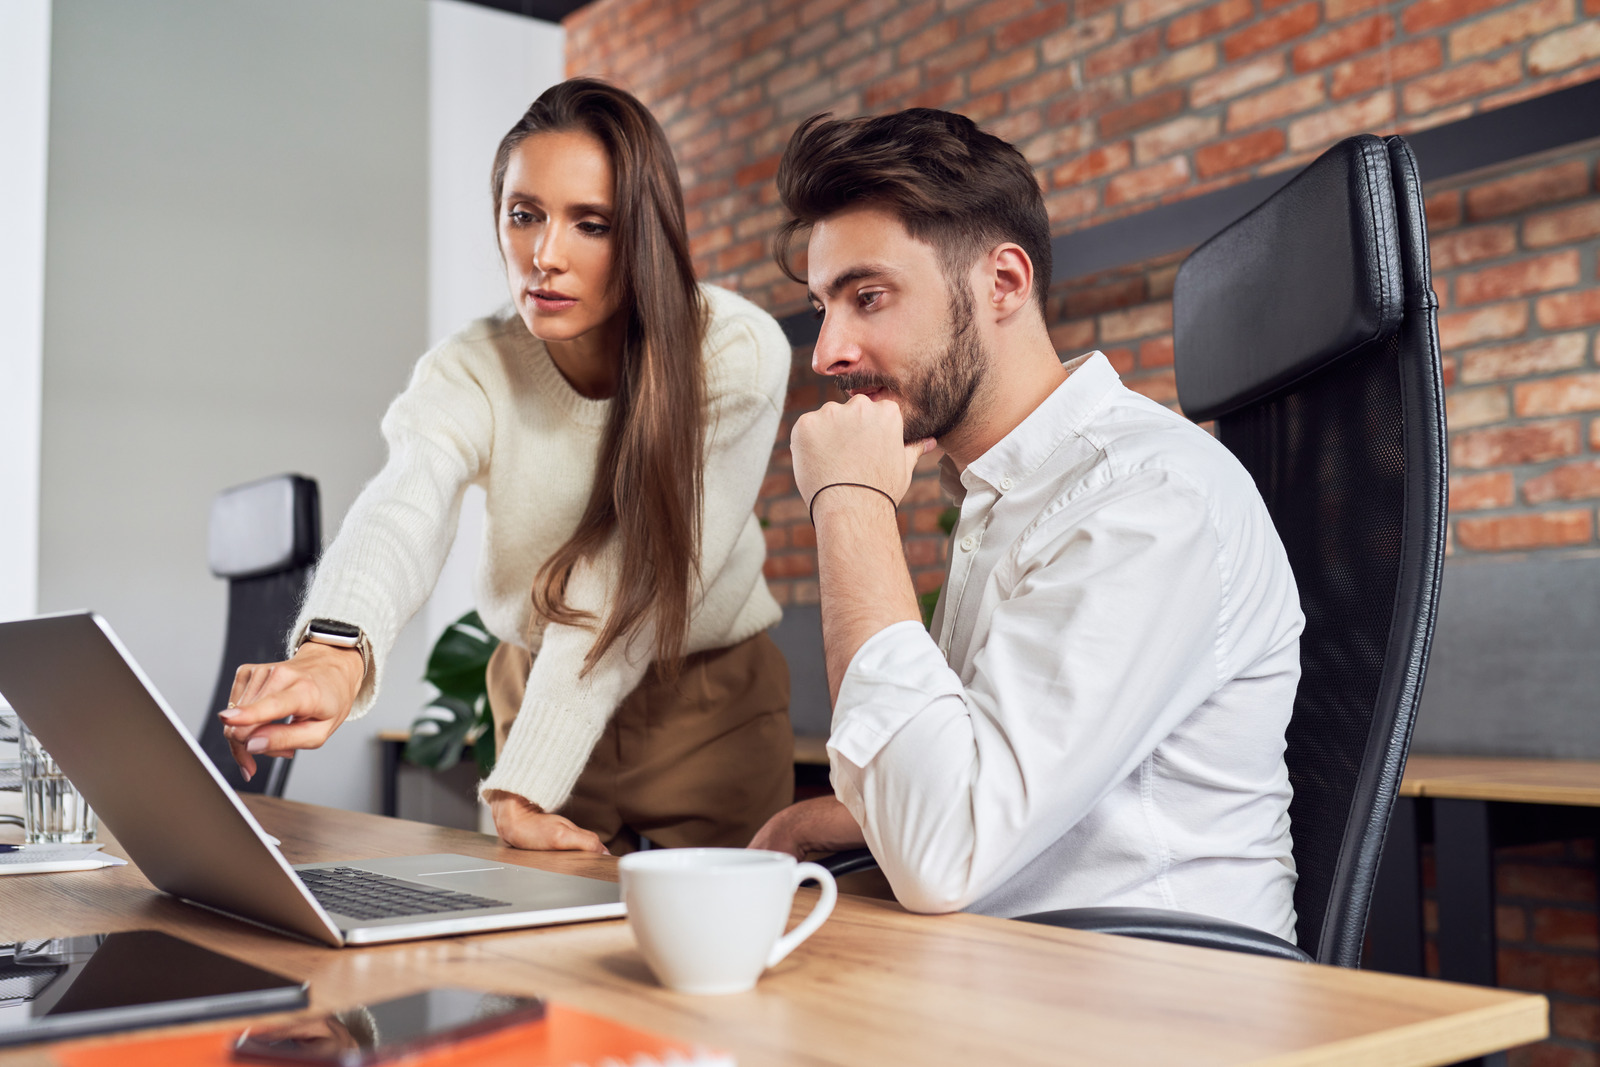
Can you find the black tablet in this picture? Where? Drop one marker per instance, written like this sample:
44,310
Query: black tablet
84,985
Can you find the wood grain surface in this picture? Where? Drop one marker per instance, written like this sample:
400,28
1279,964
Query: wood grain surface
876,985
1526,781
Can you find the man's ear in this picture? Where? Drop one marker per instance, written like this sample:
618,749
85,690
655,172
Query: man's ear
1011,272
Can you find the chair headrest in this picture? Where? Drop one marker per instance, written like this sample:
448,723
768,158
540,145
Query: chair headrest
1310,275
266,526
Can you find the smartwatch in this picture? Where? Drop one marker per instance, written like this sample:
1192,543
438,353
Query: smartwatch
333,632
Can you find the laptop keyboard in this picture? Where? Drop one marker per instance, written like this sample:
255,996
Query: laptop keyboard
365,895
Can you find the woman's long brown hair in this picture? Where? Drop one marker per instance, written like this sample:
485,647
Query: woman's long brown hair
648,483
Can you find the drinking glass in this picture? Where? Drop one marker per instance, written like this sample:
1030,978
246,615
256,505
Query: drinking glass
53,811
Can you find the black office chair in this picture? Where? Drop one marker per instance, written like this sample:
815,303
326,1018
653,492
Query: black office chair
1307,330
265,537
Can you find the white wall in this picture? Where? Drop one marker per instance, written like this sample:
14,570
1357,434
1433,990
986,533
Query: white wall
24,113
235,286
485,67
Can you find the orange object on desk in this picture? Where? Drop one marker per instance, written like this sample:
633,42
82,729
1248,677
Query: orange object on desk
564,1037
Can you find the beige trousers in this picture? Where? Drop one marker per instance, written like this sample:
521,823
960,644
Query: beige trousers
703,760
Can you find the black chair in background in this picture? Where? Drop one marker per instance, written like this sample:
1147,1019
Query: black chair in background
264,538
1307,331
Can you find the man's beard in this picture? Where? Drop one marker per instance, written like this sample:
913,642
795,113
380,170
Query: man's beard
938,397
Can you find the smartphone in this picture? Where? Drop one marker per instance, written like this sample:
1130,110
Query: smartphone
379,1033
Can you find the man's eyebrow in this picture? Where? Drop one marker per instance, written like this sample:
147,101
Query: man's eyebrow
853,274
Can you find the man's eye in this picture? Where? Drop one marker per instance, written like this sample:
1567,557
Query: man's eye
816,312
869,298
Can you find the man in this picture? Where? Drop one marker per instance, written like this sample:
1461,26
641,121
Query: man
1097,716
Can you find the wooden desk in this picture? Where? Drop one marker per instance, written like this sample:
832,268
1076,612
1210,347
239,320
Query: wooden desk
874,986
1523,781
1475,803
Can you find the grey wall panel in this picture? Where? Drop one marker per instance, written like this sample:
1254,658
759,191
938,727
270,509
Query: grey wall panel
1515,668
799,635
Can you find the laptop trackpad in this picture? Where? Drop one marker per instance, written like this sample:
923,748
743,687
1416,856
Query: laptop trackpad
524,887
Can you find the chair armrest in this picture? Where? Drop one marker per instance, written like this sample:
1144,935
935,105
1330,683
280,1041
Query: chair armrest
849,861
1178,927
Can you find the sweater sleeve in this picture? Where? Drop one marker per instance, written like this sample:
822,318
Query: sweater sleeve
563,714
393,542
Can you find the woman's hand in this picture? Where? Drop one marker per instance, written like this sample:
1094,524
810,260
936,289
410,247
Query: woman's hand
524,825
314,690
820,824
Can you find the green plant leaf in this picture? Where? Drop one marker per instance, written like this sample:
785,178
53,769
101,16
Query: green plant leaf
459,716
460,658
927,602
948,519
440,733
483,744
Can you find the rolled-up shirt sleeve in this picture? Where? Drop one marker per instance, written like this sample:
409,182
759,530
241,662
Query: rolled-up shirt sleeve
1103,639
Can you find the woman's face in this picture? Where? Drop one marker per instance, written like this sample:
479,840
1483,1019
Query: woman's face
555,234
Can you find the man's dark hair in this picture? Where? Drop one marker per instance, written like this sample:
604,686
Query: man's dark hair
949,183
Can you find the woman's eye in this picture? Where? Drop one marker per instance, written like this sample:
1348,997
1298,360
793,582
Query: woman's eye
816,313
594,229
519,217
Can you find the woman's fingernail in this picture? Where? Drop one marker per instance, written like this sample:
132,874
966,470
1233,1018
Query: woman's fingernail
247,774
256,745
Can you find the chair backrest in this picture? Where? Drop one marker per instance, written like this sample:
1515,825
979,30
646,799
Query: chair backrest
264,539
1307,331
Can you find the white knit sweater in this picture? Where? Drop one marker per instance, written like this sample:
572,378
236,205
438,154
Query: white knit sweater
488,407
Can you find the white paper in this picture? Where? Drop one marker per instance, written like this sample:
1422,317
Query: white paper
46,859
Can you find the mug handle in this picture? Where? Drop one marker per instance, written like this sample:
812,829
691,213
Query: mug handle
819,914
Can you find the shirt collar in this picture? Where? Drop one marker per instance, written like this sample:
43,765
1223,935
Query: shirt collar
1062,414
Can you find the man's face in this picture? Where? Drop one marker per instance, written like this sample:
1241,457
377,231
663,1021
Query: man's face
894,327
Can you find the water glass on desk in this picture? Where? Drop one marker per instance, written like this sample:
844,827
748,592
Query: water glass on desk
53,811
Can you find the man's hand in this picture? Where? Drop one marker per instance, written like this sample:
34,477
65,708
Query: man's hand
821,824
860,441
314,690
524,825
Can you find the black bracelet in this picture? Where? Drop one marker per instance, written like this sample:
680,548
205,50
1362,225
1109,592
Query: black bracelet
812,506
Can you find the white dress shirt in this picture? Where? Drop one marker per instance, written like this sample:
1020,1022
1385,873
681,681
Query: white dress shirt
1097,717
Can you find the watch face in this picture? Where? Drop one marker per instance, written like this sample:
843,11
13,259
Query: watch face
332,628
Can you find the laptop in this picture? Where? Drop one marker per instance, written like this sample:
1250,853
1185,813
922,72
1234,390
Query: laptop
76,687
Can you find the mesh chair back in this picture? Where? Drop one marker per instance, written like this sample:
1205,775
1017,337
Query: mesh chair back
264,538
1307,331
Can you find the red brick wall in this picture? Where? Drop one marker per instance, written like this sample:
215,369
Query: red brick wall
1546,942
1515,260
1118,106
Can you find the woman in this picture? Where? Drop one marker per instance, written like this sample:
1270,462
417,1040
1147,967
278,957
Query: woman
619,419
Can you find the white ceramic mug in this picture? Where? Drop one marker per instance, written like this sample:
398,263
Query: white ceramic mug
710,920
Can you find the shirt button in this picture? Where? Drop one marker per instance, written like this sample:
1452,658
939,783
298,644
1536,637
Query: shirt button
967,542
1005,483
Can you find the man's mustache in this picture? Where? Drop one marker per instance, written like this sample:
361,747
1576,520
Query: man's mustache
855,383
